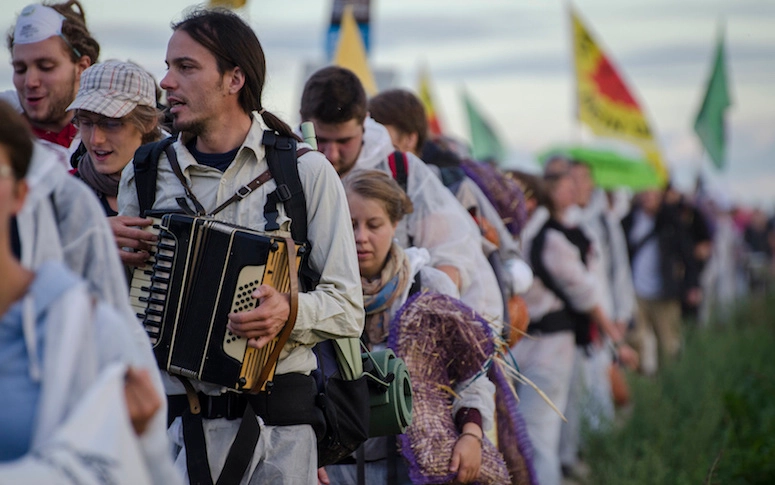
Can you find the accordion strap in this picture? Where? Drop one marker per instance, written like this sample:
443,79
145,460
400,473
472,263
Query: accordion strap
285,333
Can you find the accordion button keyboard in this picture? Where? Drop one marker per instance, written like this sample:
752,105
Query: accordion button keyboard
148,287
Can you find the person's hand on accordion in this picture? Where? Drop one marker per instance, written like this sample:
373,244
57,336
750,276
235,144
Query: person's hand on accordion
130,236
264,322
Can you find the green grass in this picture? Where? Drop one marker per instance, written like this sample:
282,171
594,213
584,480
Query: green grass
708,418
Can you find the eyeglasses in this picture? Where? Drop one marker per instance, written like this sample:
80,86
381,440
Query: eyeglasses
108,125
6,172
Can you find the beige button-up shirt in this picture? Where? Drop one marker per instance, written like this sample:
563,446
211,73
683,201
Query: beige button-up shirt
335,307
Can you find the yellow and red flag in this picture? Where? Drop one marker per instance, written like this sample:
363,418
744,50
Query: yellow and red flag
604,102
434,126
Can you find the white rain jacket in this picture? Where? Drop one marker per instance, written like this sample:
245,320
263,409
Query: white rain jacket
616,291
440,224
83,338
62,220
61,155
517,275
563,261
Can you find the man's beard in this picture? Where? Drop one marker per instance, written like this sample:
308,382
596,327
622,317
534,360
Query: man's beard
195,128
57,112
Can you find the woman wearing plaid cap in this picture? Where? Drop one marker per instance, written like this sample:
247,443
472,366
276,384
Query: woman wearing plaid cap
116,112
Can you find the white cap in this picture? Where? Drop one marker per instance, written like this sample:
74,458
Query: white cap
37,23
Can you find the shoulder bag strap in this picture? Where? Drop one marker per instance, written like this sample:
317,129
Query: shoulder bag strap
173,158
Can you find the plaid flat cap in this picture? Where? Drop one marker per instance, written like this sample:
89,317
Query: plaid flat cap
114,88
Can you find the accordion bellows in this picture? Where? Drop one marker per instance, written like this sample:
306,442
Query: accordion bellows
442,342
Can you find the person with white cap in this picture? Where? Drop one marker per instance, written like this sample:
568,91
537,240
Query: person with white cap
56,341
115,110
50,48
61,219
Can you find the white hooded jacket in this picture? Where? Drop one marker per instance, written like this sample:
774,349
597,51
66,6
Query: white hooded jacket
440,224
82,338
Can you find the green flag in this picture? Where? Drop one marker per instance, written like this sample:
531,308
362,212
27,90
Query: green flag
709,124
485,144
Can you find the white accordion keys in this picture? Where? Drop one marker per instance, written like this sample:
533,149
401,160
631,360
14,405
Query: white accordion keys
141,297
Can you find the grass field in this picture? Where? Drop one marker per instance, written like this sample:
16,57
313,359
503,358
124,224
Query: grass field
708,418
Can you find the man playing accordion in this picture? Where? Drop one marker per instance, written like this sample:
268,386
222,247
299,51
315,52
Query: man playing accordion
216,72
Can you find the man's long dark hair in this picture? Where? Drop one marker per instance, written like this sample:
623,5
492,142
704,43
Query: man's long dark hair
234,44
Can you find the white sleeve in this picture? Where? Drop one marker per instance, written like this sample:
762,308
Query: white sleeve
477,393
127,192
438,281
623,291
334,308
113,336
440,224
94,445
563,263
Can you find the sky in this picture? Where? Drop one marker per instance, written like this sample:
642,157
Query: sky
514,59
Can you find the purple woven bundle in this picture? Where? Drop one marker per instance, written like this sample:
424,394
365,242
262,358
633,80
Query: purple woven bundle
502,192
513,440
442,342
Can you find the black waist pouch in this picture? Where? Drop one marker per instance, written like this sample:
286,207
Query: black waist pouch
563,320
290,399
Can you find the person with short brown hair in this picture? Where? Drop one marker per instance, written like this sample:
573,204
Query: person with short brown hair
403,114
334,101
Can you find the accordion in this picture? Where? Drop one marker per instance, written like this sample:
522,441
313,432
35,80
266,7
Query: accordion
201,271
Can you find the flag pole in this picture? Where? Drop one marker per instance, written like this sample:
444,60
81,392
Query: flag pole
576,129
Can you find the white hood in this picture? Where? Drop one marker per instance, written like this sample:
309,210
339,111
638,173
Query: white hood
377,145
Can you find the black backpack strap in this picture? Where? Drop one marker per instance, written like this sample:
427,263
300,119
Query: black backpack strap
399,167
539,269
16,244
582,322
75,158
282,158
240,453
146,164
416,284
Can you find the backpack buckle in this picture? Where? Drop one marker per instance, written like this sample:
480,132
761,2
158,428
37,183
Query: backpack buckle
283,193
244,191
283,143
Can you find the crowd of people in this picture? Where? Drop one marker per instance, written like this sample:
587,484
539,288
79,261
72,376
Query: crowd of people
459,267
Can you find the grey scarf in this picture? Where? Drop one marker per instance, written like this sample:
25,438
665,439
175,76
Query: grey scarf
103,184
